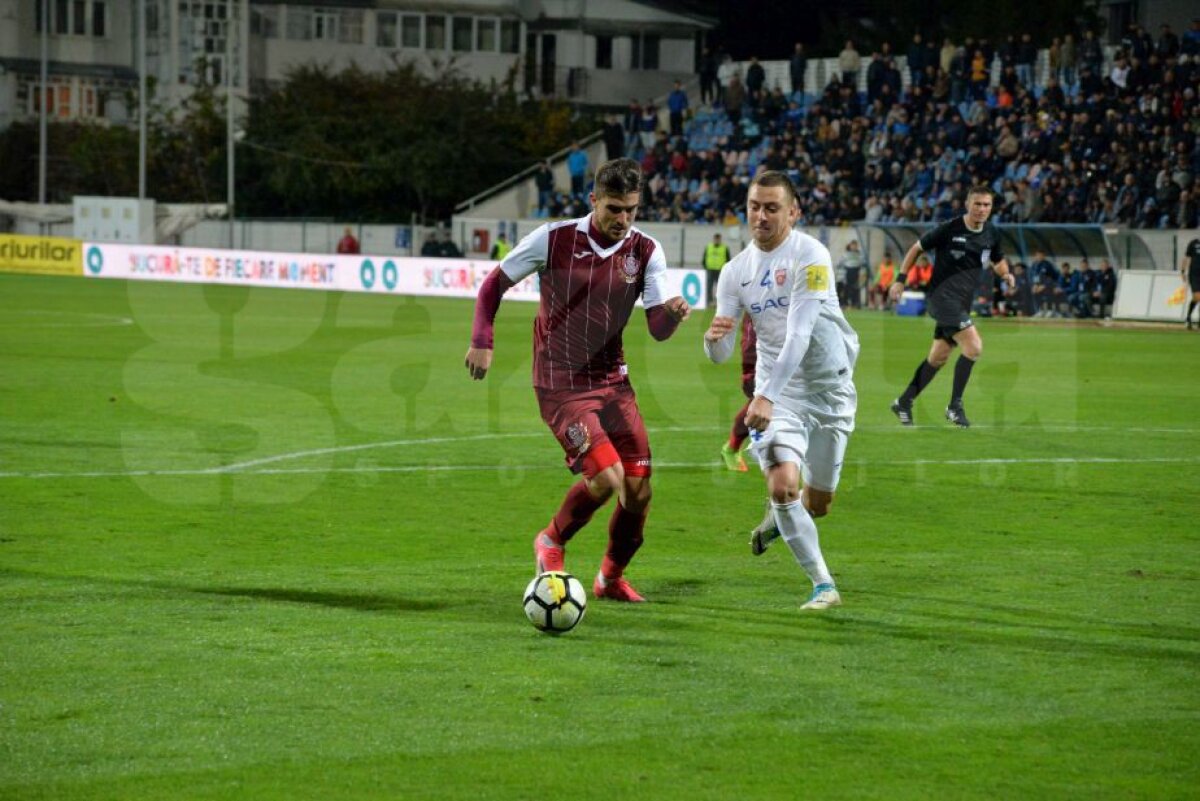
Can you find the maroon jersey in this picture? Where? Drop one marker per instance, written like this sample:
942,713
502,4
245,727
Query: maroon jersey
588,293
749,348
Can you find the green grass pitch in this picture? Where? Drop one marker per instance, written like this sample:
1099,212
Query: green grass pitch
271,544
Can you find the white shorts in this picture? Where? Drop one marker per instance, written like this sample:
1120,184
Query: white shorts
811,434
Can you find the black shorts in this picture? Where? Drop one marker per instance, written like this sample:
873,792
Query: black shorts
946,331
1194,280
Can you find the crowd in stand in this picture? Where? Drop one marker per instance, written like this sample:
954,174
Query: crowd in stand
1095,140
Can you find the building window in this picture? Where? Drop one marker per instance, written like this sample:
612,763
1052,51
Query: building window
410,30
645,51
214,71
72,17
152,19
325,25
435,32
64,99
385,29
61,98
350,27
510,36
79,17
264,22
462,34
604,50
485,35
87,101
205,31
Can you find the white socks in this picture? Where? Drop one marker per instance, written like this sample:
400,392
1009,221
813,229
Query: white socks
800,532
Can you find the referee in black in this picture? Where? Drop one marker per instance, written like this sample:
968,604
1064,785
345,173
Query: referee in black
1191,276
962,248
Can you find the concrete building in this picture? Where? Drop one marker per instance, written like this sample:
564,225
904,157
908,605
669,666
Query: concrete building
599,52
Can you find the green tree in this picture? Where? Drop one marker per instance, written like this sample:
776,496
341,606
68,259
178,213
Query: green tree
377,146
351,144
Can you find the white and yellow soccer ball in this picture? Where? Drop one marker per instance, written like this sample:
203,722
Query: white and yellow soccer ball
555,602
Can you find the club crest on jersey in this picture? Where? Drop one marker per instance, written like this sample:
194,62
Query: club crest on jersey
578,437
780,276
630,268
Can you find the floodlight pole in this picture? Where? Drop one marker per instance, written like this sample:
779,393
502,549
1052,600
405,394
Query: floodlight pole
141,39
47,16
229,144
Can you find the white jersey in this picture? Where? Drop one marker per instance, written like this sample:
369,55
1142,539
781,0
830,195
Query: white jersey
805,344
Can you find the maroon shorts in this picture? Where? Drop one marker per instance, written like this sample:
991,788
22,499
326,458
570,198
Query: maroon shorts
597,428
748,385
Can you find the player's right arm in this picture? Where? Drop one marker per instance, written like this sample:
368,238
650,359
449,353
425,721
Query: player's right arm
526,258
910,258
721,337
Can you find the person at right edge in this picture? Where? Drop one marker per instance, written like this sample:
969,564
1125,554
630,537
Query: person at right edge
962,248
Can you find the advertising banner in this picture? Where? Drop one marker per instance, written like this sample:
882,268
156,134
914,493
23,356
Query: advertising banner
454,278
1151,295
40,255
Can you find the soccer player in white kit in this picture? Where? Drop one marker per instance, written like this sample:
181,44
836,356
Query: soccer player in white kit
803,408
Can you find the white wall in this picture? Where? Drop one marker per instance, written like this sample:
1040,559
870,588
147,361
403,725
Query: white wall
677,55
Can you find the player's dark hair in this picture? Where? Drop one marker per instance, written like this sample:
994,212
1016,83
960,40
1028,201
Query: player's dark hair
769,179
981,189
618,177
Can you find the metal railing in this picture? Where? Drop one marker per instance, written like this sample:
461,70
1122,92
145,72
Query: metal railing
522,176
692,86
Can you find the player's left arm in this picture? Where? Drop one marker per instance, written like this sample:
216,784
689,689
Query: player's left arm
809,292
663,314
1001,268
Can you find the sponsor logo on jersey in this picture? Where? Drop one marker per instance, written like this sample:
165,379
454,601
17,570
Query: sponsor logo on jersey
958,254
578,437
780,276
780,302
962,239
630,267
818,278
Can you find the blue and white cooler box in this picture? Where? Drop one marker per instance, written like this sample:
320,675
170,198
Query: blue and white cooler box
912,304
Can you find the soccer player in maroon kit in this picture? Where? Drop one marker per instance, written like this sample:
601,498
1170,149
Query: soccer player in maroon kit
591,270
731,451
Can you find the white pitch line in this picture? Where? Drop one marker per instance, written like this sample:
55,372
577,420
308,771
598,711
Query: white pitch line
244,467
397,443
97,319
283,457
482,468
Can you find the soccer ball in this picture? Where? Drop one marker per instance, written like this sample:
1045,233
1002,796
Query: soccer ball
555,602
